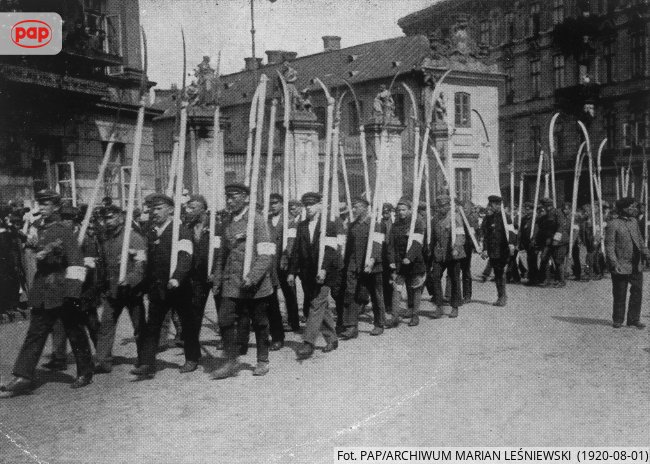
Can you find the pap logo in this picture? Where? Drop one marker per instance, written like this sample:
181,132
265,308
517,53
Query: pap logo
31,33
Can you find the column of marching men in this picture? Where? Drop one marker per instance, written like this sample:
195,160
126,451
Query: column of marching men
74,277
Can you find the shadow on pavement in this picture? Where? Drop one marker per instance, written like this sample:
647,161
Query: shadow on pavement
46,376
582,320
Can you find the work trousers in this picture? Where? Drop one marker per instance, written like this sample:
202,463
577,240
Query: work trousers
557,254
90,319
40,325
453,271
387,287
108,324
290,300
235,317
192,323
414,286
499,265
619,292
466,273
357,287
275,318
320,320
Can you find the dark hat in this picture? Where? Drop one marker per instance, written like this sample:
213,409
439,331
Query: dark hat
405,201
624,203
69,212
363,200
311,198
295,203
546,202
276,197
235,188
154,199
48,195
199,198
495,199
388,207
110,210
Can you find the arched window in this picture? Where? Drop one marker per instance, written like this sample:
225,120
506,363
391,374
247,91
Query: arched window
462,110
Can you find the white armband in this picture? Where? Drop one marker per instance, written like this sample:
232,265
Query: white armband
331,242
217,241
291,232
557,237
460,231
341,239
576,227
266,248
89,261
378,237
418,238
186,246
75,273
138,255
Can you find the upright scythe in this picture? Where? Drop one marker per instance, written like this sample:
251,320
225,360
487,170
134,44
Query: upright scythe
269,161
599,168
286,162
135,165
574,199
551,156
536,200
252,129
327,174
362,142
417,180
255,174
591,174
218,173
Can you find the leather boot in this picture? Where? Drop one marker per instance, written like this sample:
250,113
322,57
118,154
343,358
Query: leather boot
229,369
438,313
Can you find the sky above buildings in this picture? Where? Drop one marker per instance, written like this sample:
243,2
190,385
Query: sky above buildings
224,25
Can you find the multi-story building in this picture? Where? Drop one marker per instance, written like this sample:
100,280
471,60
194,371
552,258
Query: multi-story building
560,56
470,85
58,112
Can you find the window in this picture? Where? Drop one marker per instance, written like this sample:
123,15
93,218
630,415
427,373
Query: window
535,69
558,11
558,71
321,117
510,79
463,184
484,35
462,110
66,184
495,36
638,54
534,20
610,129
629,136
535,140
398,98
510,27
355,118
608,58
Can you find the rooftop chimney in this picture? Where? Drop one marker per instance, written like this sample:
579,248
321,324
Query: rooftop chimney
331,43
252,63
274,56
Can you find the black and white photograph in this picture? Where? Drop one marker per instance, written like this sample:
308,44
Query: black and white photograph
324,231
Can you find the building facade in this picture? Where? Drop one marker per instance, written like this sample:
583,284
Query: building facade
58,112
575,57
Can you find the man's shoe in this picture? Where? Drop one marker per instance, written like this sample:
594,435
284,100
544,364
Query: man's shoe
144,371
243,349
617,325
262,368
415,320
17,386
103,368
82,381
275,346
453,313
305,350
229,369
331,346
189,366
438,313
637,324
377,331
349,333
339,329
393,322
501,301
56,365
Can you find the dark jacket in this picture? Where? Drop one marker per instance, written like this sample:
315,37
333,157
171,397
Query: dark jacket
357,242
553,229
397,243
304,255
159,251
495,241
441,249
111,249
624,245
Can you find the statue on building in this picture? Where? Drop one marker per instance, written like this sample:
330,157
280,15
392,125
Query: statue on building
383,106
303,102
204,90
290,76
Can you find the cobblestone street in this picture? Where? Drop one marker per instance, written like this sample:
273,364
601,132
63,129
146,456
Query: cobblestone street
547,370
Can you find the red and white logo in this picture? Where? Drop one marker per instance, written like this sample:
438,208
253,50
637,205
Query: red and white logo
31,33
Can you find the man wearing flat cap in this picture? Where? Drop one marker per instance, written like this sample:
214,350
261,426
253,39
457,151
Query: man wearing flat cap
526,244
554,239
625,250
168,289
317,283
117,295
361,274
56,293
244,298
496,245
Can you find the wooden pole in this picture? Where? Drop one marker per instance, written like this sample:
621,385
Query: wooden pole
218,202
512,182
173,167
521,202
178,191
348,195
536,201
574,197
334,210
551,143
254,112
268,176
255,173
286,162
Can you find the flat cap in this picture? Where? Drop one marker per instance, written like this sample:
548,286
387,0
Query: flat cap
363,200
48,195
387,207
200,199
311,198
624,202
237,188
406,202
495,199
69,212
276,197
154,199
296,203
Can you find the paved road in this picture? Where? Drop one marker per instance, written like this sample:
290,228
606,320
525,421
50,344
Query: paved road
546,370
